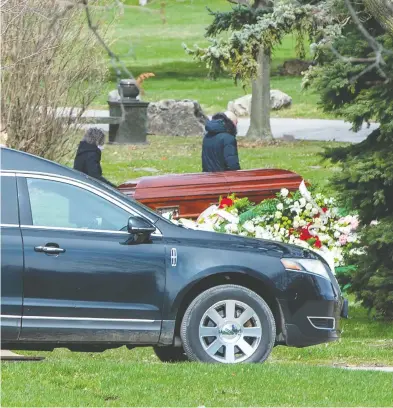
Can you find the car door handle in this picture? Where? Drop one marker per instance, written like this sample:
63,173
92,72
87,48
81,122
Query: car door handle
49,250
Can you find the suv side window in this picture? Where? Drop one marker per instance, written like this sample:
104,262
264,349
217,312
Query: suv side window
9,201
61,205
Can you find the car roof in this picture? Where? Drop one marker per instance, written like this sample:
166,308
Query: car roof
15,160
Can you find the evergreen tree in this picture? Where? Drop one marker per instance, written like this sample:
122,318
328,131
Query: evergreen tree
255,27
354,76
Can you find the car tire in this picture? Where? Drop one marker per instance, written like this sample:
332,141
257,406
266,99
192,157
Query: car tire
170,354
228,324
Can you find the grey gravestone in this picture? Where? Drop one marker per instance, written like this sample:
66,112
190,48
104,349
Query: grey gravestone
123,103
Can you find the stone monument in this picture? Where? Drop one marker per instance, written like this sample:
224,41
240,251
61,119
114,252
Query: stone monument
123,103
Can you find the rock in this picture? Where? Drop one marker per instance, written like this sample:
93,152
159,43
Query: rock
279,100
176,118
295,67
242,106
288,138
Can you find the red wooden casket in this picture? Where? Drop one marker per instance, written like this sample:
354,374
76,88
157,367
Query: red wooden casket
190,194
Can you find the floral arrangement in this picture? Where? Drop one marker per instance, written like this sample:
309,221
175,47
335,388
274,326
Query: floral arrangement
296,218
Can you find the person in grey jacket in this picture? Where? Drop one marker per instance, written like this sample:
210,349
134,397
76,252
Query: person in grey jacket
88,155
219,148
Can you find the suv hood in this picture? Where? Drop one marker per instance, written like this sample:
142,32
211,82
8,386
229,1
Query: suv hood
236,242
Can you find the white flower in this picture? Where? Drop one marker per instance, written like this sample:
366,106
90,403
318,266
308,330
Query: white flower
283,231
302,202
280,206
284,192
228,217
317,221
314,211
337,234
206,227
374,222
249,226
276,227
259,232
296,224
231,228
308,206
302,223
296,204
278,215
208,212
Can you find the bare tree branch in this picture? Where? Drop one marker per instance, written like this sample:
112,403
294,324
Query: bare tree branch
376,62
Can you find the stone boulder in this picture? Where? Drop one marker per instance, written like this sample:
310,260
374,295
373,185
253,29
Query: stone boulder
295,67
279,100
176,118
242,106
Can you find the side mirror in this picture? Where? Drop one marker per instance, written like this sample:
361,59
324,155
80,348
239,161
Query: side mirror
139,226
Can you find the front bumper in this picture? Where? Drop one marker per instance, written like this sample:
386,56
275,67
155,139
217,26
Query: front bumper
312,314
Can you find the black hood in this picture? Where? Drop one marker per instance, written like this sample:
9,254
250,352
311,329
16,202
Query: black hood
85,147
216,126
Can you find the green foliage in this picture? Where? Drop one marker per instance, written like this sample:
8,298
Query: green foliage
265,207
358,91
233,20
243,204
373,280
252,29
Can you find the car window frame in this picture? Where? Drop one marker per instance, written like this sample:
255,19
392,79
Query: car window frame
17,223
26,219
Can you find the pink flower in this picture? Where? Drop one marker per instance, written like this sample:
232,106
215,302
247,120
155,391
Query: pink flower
354,223
343,239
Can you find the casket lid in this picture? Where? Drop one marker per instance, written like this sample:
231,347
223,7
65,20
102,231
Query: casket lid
208,183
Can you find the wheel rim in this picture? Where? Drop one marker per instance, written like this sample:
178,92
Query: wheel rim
230,331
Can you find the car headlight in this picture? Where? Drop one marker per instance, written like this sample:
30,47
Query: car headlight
306,265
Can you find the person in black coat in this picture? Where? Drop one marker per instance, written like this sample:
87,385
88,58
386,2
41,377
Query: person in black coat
219,148
88,155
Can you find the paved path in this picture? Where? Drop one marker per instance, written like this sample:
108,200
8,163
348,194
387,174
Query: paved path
6,355
301,129
368,368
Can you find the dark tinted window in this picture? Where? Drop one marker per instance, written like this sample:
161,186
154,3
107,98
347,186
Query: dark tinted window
61,205
9,201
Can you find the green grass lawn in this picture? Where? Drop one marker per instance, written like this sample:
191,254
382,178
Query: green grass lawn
291,377
183,155
157,48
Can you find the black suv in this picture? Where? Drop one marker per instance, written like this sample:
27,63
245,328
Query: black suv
87,268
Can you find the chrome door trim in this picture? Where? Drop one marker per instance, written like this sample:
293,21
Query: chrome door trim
102,319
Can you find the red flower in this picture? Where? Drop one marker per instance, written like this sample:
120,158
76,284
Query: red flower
226,202
324,209
318,243
305,234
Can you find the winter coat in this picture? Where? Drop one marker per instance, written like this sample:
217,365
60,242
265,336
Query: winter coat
87,160
219,148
